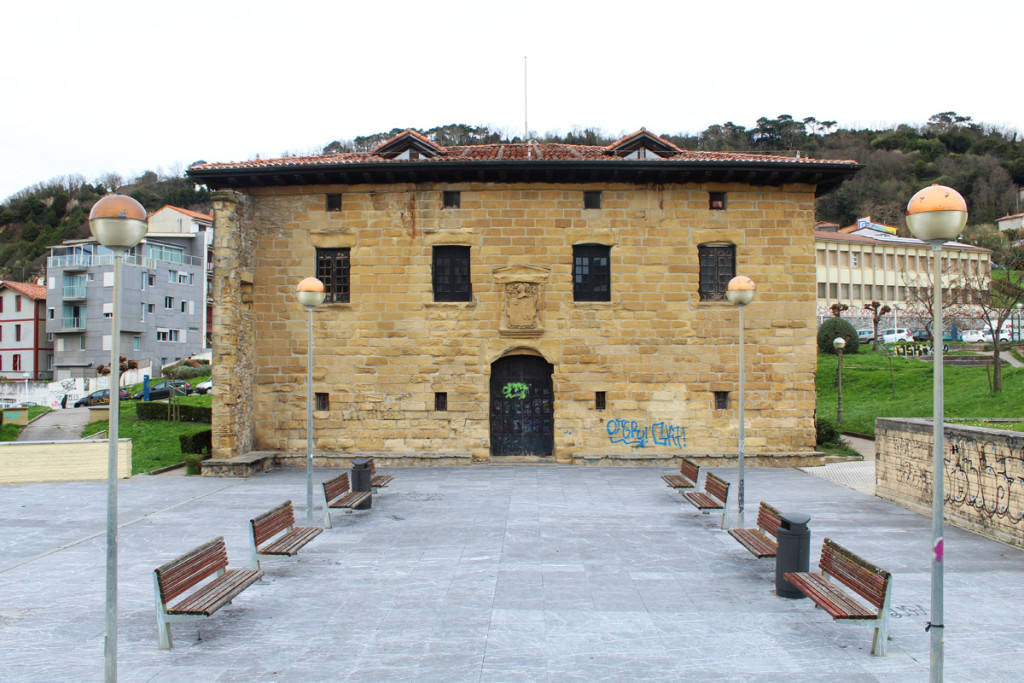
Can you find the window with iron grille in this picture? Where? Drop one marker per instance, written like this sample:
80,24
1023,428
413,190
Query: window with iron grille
323,401
451,199
600,400
717,267
721,400
592,199
591,273
332,269
333,202
451,274
440,400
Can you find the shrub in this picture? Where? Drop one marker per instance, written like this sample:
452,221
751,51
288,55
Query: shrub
157,410
827,432
200,442
837,327
193,463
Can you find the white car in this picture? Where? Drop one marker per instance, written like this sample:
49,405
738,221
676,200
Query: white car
865,336
1004,334
973,336
895,335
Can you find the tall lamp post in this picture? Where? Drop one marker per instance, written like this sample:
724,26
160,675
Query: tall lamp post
311,294
740,291
936,215
1018,307
840,344
118,223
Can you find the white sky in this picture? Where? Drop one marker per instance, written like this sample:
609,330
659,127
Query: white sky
107,86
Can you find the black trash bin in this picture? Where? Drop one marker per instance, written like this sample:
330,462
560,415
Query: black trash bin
794,553
361,480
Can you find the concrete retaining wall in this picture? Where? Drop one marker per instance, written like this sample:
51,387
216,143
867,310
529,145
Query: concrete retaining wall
983,481
31,461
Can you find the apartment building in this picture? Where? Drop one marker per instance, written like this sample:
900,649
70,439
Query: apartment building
164,296
25,350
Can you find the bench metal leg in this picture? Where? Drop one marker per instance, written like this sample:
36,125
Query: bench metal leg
254,559
881,640
327,511
163,629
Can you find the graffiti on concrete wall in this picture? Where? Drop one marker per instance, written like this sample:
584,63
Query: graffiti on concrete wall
633,434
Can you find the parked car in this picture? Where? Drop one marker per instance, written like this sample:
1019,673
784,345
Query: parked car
973,336
204,387
100,397
1004,334
865,336
921,335
895,335
162,389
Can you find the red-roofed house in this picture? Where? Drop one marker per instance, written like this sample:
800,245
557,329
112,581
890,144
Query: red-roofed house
555,302
24,347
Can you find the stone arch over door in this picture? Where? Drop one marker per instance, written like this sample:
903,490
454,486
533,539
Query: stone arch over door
522,418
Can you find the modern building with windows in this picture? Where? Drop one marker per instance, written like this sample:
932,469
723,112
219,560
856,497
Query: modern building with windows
26,352
502,301
164,292
867,262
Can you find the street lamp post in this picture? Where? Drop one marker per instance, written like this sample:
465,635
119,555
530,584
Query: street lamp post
840,344
740,291
936,215
118,223
1018,307
311,294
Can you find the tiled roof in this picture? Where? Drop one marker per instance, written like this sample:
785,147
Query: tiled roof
514,151
187,212
35,292
889,240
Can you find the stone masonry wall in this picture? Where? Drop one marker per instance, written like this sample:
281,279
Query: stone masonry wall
984,474
657,351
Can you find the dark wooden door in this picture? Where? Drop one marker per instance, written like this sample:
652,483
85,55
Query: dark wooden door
522,407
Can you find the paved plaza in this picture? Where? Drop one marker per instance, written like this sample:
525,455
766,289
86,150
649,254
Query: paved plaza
490,573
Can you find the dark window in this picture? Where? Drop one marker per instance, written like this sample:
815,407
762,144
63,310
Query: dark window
717,267
17,333
451,274
592,199
334,202
17,362
599,400
17,303
452,199
332,269
721,400
323,401
716,201
591,273
440,400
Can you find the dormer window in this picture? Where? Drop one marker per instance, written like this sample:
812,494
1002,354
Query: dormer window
409,145
642,145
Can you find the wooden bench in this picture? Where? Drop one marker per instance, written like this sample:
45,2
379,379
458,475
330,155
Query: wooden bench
761,540
689,472
191,570
863,578
378,481
264,528
715,496
338,496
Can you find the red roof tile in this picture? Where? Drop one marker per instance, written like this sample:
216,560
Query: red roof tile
35,292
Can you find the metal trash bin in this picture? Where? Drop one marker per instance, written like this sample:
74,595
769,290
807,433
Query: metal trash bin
361,480
794,552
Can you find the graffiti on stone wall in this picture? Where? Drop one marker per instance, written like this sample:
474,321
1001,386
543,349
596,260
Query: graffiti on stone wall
982,475
631,433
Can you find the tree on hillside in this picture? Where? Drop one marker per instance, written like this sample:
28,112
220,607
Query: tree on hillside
997,297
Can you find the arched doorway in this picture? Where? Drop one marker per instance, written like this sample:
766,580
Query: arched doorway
522,407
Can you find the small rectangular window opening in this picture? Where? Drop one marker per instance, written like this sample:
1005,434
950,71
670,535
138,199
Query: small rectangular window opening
451,199
323,401
600,402
592,199
721,400
716,201
440,400
334,202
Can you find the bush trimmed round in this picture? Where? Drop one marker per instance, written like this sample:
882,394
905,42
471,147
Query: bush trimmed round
837,327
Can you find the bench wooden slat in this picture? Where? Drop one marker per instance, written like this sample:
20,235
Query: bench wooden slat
350,499
756,542
715,496
292,542
678,481
381,480
689,473
703,501
338,497
217,593
273,522
828,596
180,574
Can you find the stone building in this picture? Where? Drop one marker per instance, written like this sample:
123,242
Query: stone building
515,301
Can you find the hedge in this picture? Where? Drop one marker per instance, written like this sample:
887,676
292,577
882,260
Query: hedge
158,410
200,442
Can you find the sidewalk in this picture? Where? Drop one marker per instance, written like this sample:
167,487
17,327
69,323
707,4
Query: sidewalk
489,573
58,425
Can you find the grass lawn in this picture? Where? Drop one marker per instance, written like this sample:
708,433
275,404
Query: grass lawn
154,443
11,432
870,390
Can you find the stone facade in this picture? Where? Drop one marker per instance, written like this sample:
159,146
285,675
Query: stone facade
984,469
656,350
